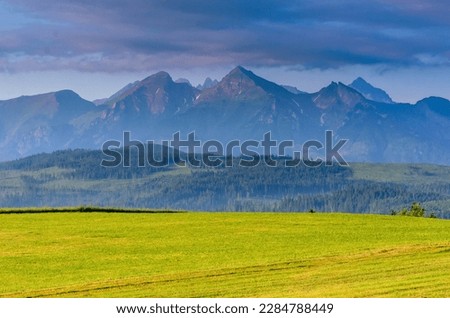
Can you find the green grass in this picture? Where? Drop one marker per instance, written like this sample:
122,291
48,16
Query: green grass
222,255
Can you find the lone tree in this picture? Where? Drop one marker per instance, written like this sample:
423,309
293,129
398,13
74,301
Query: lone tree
415,210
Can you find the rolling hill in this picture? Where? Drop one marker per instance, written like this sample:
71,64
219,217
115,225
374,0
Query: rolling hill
75,177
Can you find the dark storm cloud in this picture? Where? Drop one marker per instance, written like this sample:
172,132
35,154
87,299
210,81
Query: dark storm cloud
130,35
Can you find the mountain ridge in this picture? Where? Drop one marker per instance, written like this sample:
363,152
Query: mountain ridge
241,106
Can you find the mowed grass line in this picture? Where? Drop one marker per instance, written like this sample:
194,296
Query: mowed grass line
223,255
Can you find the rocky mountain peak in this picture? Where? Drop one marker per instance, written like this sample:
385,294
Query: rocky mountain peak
370,92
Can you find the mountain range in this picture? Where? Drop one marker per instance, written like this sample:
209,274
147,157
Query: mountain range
240,106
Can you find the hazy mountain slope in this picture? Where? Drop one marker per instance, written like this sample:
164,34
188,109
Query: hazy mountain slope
147,107
244,105
208,83
31,124
370,92
241,106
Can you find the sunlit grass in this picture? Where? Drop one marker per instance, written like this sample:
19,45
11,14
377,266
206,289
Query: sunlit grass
222,255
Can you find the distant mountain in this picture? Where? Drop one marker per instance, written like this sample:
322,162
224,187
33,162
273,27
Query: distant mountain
241,106
208,83
251,105
43,123
337,95
154,94
370,92
147,107
335,102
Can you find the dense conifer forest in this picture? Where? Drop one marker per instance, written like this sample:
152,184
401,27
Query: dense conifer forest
76,177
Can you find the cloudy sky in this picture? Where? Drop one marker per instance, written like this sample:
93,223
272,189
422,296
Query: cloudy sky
97,46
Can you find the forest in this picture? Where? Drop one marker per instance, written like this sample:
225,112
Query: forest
76,177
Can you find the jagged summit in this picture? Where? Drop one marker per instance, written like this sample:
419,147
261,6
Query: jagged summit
238,69
371,92
337,94
160,79
208,83
242,84
156,94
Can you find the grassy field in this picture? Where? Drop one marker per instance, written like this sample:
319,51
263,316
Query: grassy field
222,255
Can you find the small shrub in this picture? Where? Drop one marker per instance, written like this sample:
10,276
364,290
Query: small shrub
415,210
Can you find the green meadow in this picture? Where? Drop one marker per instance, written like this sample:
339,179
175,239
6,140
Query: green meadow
98,254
